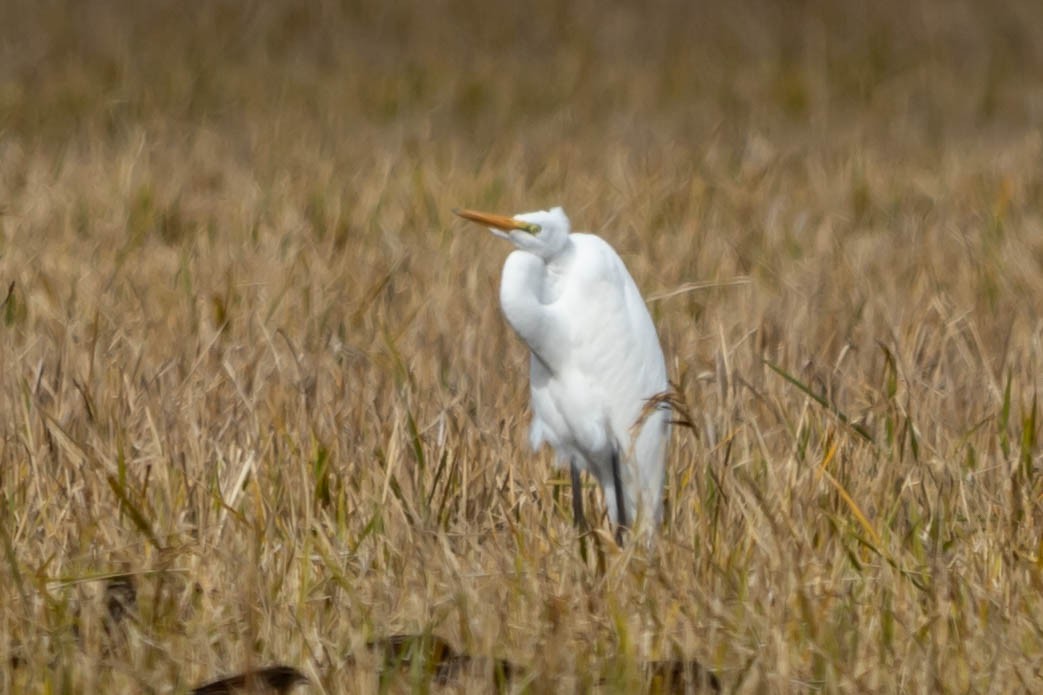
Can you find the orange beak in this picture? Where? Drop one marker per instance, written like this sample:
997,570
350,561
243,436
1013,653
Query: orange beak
501,222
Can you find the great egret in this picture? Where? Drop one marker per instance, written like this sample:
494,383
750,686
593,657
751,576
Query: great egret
595,361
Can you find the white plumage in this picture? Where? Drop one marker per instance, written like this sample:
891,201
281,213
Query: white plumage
596,359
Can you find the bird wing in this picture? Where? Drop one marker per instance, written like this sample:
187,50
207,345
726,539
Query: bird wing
613,360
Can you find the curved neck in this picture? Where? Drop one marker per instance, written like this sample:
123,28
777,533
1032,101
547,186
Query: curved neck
528,288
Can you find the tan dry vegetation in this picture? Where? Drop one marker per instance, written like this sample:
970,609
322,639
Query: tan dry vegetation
250,359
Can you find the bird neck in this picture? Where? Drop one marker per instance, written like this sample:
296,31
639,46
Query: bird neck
528,288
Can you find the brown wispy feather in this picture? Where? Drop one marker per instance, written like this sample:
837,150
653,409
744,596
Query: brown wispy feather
672,398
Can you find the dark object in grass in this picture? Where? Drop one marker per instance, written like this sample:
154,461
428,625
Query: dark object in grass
676,676
434,655
277,679
121,598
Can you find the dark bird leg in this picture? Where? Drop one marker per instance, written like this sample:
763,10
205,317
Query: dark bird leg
577,499
577,510
621,512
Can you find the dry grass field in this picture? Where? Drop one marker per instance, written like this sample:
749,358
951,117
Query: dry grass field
258,403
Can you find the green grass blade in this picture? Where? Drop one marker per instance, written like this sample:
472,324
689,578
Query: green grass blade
806,390
132,511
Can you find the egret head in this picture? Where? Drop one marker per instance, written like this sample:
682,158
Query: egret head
543,233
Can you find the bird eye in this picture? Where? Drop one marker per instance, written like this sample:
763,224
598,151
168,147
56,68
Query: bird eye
532,228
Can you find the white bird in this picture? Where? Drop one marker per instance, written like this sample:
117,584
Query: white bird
595,361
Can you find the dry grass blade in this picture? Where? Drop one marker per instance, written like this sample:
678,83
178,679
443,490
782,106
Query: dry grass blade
12,560
695,286
848,500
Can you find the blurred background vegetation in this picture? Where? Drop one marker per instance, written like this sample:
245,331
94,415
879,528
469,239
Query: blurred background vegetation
489,73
